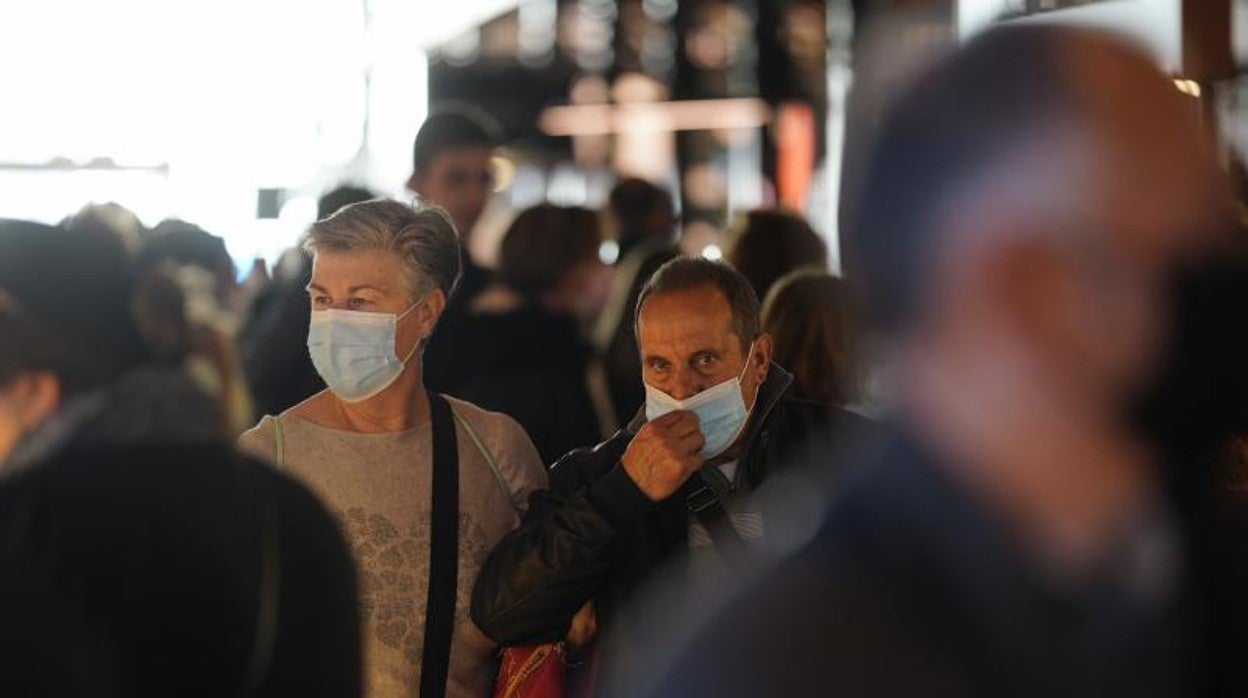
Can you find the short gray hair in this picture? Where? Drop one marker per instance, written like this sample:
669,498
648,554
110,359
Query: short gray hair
424,238
686,273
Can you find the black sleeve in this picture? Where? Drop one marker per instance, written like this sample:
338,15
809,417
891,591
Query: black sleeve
540,575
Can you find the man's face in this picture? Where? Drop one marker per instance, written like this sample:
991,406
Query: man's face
459,180
688,344
1157,202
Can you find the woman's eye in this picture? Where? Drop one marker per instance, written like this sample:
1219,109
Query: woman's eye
320,301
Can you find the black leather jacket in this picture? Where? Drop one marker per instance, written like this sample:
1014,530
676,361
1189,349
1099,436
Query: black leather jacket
595,535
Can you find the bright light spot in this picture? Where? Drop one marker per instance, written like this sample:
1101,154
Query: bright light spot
504,172
713,253
609,251
1191,88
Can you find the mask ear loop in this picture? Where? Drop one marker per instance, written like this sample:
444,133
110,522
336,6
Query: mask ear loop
419,342
758,388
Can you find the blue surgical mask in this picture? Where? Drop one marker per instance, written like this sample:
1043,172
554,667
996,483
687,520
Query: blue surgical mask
721,411
354,352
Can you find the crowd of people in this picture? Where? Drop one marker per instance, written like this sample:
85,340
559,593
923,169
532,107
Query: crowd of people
989,460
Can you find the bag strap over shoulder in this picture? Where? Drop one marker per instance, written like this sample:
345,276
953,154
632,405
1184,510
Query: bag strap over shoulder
279,448
443,551
489,459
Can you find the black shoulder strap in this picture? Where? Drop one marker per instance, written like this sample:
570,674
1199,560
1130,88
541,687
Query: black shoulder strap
443,552
706,504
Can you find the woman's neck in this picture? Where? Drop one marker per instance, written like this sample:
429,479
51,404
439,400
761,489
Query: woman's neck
401,406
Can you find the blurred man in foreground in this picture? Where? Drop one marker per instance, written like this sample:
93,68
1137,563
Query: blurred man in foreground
1026,202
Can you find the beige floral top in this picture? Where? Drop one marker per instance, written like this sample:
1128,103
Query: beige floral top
378,485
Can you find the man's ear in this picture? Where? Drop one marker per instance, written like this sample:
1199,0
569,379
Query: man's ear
1033,286
416,183
764,351
39,394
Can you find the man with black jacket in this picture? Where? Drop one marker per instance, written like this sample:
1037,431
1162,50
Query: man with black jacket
719,419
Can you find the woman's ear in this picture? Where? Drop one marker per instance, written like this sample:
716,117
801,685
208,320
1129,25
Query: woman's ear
429,310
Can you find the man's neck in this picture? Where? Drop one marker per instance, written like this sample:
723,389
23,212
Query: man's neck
1058,469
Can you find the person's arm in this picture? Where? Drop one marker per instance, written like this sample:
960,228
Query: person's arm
540,575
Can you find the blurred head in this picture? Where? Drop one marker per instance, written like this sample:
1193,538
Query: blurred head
336,198
185,244
638,211
451,164
1027,196
549,255
385,257
766,245
810,318
112,221
65,323
698,326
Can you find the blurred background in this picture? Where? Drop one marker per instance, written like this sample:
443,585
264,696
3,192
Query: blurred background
236,115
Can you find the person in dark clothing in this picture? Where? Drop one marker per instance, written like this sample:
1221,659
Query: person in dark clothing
452,168
720,419
1195,415
764,245
530,360
178,565
273,337
640,213
642,220
1009,534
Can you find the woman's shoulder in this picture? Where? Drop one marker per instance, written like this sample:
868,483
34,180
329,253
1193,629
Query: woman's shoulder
260,440
487,423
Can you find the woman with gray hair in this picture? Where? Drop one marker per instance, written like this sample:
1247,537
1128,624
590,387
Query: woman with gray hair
423,485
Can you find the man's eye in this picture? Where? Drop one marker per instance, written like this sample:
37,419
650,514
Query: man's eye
357,303
706,360
320,301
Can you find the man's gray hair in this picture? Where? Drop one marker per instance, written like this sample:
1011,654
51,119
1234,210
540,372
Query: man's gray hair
424,238
685,273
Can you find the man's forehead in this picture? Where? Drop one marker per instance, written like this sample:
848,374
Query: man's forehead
459,158
686,312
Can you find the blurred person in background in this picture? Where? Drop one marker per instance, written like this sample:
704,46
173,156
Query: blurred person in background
531,360
642,220
811,320
720,420
1026,202
422,484
640,215
452,167
180,566
273,338
198,264
764,245
109,220
186,245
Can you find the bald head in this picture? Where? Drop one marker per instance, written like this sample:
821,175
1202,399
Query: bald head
1027,130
